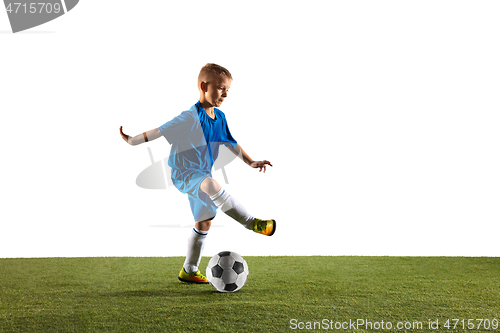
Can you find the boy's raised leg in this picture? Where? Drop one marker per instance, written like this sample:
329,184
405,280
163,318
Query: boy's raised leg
234,209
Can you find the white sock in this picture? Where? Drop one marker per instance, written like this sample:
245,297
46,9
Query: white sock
233,208
196,243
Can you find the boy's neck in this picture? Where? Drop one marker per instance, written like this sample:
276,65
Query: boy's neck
210,112
208,109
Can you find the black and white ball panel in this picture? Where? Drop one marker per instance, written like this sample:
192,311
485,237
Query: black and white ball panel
227,271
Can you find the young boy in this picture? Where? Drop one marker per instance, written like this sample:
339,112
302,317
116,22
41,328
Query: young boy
195,136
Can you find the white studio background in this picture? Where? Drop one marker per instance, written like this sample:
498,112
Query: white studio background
381,119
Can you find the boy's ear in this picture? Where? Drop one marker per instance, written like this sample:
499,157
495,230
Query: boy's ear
203,86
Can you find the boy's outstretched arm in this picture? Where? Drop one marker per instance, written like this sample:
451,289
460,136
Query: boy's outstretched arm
238,151
141,138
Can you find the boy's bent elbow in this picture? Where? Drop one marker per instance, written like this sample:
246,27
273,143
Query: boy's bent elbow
134,141
145,137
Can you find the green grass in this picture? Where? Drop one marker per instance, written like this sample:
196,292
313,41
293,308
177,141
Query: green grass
144,295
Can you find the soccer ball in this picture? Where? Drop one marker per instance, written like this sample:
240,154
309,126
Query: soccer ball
227,271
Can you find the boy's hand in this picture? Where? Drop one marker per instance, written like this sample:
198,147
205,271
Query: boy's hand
260,164
124,136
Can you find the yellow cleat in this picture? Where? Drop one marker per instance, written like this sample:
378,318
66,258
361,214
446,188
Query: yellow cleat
196,277
265,227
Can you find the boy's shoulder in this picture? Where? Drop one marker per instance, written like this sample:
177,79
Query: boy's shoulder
190,114
187,115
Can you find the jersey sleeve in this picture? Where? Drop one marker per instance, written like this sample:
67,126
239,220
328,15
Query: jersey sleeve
178,127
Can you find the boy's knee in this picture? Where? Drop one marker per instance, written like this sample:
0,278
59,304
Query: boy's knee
210,186
203,225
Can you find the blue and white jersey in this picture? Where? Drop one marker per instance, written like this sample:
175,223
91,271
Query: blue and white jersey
195,139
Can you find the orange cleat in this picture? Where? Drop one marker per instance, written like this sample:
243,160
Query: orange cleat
264,227
195,277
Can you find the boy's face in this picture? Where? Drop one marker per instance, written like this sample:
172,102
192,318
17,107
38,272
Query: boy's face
216,90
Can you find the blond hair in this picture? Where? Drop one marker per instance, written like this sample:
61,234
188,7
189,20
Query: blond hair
213,69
